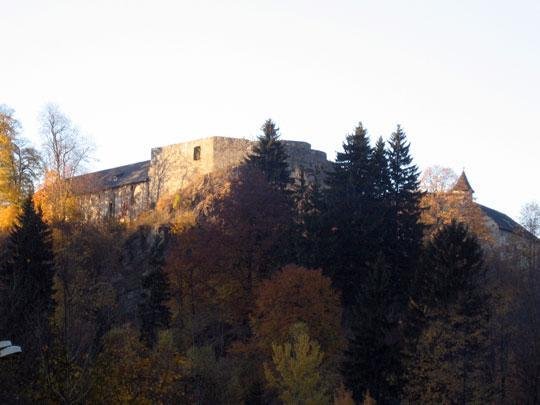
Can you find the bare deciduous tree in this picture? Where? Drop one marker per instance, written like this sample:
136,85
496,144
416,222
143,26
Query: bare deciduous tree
66,150
28,166
436,179
530,217
65,153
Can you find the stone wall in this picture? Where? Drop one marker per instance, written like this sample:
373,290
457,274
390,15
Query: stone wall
229,152
173,167
123,203
313,163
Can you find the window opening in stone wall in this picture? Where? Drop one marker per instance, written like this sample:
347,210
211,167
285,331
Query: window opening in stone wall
132,195
111,208
197,153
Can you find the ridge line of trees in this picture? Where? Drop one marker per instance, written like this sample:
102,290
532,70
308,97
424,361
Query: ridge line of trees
259,288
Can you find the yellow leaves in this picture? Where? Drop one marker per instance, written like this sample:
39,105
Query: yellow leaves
56,199
127,372
8,190
8,214
441,208
9,193
183,221
295,371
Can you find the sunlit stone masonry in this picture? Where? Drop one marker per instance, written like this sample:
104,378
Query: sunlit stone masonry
126,191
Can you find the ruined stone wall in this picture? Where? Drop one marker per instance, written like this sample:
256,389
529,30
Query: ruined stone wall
229,152
302,158
173,166
123,203
498,237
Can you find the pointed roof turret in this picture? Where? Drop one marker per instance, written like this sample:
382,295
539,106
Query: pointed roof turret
462,184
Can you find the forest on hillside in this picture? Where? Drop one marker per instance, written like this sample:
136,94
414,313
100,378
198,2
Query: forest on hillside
250,287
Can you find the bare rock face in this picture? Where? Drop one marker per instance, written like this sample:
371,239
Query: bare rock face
134,263
124,192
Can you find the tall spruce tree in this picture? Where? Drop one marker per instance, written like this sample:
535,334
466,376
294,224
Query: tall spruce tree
373,362
26,301
391,248
449,355
380,194
351,217
381,175
404,229
308,239
269,156
351,175
153,311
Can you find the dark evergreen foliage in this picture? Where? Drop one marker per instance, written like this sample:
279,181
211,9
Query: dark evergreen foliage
373,357
380,171
27,277
452,264
269,156
375,238
351,177
351,220
26,302
404,229
309,235
449,357
153,311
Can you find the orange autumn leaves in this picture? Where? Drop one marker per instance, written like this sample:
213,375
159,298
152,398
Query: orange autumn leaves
9,193
293,295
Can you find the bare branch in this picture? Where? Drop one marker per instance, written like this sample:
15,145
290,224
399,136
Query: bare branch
530,217
65,149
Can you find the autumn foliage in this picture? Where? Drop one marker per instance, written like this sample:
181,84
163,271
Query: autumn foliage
142,376
247,286
292,295
56,199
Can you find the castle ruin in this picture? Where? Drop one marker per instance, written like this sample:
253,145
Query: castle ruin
126,191
122,193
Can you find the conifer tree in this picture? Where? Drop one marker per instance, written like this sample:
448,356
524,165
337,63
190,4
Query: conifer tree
269,156
27,276
373,362
309,236
381,175
351,219
405,230
153,311
351,175
26,302
380,195
449,361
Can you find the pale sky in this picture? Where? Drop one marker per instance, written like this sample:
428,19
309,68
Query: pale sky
461,77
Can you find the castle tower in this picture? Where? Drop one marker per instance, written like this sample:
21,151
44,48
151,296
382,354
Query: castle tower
462,186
